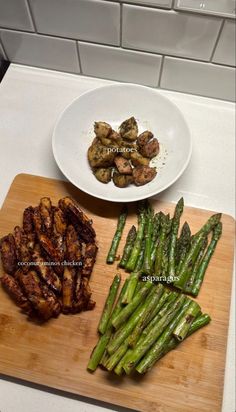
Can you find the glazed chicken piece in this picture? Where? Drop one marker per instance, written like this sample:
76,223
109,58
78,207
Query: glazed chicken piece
13,288
28,226
8,254
129,129
100,156
38,224
43,300
83,299
45,210
143,175
22,250
123,165
150,149
68,289
73,246
103,174
102,129
45,272
59,221
138,160
89,259
53,254
121,180
79,220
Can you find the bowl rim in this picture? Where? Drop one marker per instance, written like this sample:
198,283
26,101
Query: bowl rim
117,198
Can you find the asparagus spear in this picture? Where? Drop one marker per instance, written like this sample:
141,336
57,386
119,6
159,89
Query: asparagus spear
197,323
195,248
122,333
184,324
102,327
168,299
142,347
206,259
138,241
156,350
173,238
114,359
116,239
193,273
134,277
183,244
165,226
98,354
133,337
156,226
148,242
119,367
129,309
128,246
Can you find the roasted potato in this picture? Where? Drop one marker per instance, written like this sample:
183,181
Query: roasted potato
123,165
129,129
144,138
103,174
102,129
121,180
143,175
138,160
150,149
100,156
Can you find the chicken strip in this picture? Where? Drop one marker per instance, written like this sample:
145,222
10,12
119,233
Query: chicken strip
45,210
83,297
43,300
89,259
13,288
45,272
68,289
143,175
129,129
37,219
53,254
28,226
59,219
23,252
79,220
8,254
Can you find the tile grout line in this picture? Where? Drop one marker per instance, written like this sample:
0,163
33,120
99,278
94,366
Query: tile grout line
79,58
31,15
217,40
160,73
5,55
121,23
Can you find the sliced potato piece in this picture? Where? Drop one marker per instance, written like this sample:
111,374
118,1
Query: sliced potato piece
129,129
102,129
121,180
143,175
103,174
144,138
100,156
150,149
123,165
138,160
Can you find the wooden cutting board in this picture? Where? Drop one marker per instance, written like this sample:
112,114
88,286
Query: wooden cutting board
55,354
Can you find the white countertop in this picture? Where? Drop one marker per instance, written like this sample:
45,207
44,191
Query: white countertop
30,101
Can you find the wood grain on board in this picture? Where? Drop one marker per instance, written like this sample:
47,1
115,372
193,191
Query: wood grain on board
55,354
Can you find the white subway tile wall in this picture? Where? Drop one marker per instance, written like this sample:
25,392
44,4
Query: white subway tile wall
225,50
91,20
168,32
41,51
15,14
183,45
198,78
217,7
118,64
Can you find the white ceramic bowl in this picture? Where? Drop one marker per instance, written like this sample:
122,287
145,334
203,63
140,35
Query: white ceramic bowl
73,134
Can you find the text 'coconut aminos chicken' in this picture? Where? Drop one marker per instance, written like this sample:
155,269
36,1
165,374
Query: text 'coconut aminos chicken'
48,262
123,156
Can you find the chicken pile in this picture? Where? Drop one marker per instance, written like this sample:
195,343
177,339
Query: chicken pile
122,156
48,262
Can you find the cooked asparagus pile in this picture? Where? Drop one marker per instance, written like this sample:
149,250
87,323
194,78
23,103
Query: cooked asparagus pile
136,335
157,249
